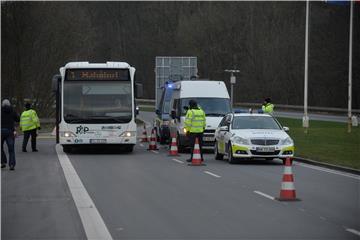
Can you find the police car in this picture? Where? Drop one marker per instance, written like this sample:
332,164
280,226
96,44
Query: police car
252,136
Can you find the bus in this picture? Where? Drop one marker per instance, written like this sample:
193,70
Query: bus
95,105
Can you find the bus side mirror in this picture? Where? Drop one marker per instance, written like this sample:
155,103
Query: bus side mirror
137,110
138,90
157,111
55,82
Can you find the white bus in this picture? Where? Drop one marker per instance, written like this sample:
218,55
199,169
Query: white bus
96,105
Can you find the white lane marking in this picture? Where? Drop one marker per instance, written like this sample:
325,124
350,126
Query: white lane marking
329,170
212,174
92,221
155,152
353,231
264,195
176,160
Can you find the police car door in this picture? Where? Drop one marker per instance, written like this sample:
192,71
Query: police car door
227,134
219,136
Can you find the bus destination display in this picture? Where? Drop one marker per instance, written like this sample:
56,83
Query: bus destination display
97,74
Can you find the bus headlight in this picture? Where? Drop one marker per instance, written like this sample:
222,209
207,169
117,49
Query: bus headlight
128,134
67,134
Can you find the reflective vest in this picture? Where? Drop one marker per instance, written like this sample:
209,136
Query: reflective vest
29,120
268,108
195,121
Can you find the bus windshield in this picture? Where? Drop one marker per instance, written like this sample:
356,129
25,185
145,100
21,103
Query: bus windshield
211,106
97,101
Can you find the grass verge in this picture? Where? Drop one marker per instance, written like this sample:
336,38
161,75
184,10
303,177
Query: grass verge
327,142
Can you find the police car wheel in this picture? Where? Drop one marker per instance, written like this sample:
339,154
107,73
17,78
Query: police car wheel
218,156
231,159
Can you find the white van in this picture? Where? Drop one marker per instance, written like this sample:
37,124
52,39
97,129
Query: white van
211,96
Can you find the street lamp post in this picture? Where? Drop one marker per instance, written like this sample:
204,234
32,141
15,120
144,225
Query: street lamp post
232,82
306,117
350,67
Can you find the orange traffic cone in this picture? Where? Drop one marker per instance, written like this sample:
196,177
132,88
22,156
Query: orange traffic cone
144,136
152,145
173,147
196,157
287,192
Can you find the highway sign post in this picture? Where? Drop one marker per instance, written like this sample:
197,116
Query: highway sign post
232,82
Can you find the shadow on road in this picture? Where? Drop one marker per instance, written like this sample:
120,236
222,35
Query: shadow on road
256,162
95,149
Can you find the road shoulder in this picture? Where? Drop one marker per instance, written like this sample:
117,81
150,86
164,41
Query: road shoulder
36,201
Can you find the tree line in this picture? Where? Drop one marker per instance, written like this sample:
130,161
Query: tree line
264,40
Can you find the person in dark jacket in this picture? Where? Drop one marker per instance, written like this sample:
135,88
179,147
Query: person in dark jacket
8,119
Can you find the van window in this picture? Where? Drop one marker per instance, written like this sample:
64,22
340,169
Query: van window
167,100
211,106
176,107
161,103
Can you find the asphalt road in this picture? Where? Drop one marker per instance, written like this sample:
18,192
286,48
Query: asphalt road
149,195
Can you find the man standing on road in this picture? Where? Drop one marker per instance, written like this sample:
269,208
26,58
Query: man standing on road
8,133
29,123
195,123
267,106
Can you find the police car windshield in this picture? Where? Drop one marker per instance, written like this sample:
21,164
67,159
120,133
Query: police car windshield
211,106
254,122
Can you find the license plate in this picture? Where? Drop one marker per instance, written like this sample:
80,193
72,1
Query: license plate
208,139
265,149
97,140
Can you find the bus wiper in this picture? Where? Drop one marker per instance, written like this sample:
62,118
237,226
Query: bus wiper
214,114
70,118
104,117
74,120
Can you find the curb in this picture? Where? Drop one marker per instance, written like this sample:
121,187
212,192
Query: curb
327,165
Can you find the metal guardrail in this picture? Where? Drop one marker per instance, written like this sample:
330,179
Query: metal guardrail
279,106
142,102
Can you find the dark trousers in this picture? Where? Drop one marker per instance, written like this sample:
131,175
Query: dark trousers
27,135
192,137
7,135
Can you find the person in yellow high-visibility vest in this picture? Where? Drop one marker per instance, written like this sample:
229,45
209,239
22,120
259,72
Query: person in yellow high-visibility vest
195,122
267,106
29,124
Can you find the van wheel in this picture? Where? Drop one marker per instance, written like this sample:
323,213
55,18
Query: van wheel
181,148
231,158
218,156
162,140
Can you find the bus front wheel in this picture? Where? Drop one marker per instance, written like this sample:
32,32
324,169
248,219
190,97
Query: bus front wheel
67,149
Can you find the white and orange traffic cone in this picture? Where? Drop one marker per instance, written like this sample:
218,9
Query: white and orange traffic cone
144,137
196,157
152,145
287,192
173,146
